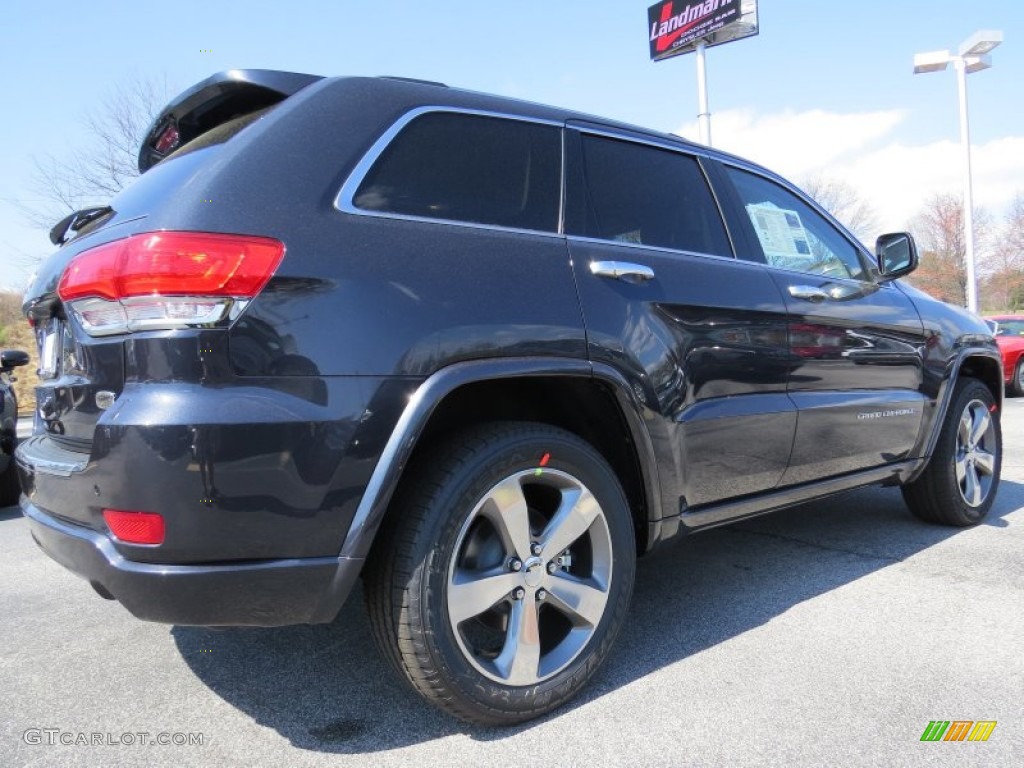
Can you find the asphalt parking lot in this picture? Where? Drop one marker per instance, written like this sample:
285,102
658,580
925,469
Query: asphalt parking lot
828,634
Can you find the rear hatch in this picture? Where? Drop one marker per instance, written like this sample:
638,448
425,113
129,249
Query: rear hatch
114,281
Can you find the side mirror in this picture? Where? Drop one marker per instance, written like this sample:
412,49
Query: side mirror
896,254
12,358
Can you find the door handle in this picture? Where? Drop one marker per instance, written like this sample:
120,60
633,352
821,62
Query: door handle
622,270
808,293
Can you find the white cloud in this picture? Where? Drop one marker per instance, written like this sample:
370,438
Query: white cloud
860,149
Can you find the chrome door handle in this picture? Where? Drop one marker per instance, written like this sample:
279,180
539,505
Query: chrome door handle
808,293
622,270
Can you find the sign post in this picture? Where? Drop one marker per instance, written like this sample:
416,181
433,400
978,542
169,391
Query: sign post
704,113
677,28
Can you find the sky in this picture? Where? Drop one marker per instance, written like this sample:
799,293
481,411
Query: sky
825,89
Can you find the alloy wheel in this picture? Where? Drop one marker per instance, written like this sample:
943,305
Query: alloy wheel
975,456
529,580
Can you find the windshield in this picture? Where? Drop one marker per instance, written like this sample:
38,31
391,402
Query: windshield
1010,327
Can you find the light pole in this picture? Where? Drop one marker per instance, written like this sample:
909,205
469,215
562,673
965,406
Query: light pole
972,56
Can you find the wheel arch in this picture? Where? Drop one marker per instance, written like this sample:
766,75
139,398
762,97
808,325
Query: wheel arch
561,392
984,365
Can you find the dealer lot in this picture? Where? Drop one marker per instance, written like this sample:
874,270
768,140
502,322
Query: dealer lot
828,634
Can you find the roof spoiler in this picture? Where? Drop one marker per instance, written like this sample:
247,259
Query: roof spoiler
214,101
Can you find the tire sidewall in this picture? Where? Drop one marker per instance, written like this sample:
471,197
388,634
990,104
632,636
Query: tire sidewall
967,393
459,499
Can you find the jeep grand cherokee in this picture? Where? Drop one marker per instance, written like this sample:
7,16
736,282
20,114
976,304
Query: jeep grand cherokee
480,353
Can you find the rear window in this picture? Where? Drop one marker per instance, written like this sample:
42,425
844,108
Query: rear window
469,168
220,133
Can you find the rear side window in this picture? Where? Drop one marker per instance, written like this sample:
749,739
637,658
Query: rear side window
482,170
640,194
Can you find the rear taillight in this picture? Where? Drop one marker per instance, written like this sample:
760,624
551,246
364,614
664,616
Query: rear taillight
166,280
135,527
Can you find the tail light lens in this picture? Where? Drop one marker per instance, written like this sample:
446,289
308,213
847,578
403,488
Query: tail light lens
166,280
135,527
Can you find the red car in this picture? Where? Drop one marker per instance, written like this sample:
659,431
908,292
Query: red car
1009,333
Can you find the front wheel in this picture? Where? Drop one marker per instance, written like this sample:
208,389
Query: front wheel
961,480
504,573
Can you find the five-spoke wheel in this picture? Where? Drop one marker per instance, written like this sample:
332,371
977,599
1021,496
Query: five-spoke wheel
504,572
529,581
960,481
976,450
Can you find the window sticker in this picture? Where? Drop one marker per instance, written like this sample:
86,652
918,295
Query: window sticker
633,236
782,235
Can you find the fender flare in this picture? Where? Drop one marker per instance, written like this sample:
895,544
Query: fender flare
945,397
405,436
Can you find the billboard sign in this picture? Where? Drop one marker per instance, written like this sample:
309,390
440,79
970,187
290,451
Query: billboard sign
676,27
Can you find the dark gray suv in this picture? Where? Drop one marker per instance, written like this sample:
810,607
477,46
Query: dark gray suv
477,352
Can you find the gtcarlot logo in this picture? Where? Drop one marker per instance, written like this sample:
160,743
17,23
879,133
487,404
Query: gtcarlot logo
51,737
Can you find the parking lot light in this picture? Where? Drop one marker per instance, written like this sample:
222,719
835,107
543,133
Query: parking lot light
972,56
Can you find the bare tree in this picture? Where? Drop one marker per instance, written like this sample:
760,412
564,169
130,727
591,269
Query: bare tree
1003,287
106,162
939,230
845,204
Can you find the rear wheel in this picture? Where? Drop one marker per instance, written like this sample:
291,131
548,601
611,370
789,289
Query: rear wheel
505,572
961,480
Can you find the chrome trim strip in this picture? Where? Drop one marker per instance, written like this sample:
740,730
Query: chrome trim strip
344,201
623,135
452,223
659,249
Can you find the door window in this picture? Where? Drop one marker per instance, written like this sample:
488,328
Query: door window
640,194
791,234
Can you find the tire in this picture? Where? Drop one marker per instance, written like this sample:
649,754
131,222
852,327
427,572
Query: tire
10,487
1017,383
458,590
961,480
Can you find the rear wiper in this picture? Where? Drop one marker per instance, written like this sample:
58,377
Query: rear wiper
75,221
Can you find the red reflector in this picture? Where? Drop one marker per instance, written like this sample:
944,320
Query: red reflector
173,264
135,527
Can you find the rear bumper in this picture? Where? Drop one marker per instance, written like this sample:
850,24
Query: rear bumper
265,593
